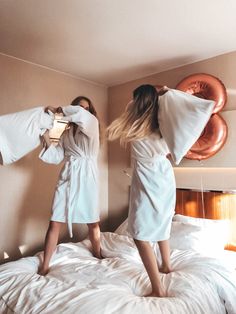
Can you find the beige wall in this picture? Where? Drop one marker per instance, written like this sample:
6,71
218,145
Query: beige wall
223,67
26,187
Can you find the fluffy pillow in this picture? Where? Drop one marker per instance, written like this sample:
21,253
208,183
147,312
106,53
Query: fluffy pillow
182,118
205,236
186,237
122,229
183,236
214,233
20,132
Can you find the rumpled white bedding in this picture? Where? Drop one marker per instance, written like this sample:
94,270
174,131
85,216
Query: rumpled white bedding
80,283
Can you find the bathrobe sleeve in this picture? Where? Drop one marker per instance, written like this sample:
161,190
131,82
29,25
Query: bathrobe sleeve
87,122
53,154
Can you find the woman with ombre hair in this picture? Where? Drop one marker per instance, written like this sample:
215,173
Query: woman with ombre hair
153,190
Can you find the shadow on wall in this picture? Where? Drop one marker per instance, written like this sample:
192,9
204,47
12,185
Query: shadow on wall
25,209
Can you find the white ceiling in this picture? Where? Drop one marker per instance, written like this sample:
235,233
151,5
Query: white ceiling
114,41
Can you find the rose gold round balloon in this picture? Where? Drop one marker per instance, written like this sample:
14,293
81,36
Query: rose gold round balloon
205,86
211,140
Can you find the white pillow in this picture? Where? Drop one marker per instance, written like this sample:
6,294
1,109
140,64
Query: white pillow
205,236
182,118
20,132
185,237
214,233
122,229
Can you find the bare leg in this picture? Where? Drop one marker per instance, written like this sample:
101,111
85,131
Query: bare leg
94,236
150,263
50,244
165,256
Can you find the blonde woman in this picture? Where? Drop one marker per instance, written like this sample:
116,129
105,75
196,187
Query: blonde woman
153,190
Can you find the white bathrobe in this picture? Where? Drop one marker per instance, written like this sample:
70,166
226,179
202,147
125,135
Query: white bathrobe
76,195
20,132
153,190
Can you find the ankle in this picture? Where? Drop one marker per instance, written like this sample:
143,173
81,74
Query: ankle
165,268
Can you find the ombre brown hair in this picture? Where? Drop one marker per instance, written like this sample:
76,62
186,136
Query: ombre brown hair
140,117
92,110
77,100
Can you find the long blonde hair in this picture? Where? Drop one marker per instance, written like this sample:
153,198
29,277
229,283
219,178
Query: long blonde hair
139,119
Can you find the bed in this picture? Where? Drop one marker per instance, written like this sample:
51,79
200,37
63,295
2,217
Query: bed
202,281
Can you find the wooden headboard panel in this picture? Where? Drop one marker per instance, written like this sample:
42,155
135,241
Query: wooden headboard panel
210,205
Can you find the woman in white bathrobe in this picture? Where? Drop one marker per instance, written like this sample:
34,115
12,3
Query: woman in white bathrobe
76,195
152,195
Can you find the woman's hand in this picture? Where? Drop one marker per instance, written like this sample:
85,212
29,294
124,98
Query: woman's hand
53,109
168,156
46,139
163,90
59,110
49,108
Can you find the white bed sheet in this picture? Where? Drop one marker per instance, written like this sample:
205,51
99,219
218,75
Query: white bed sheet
80,283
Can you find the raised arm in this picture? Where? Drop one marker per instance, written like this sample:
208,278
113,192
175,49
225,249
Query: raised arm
87,122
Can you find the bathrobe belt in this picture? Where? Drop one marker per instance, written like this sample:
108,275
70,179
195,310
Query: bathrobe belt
72,168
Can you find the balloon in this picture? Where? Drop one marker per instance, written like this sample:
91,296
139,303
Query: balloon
211,140
215,133
205,86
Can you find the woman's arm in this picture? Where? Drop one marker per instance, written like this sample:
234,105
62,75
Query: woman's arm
46,139
53,109
87,122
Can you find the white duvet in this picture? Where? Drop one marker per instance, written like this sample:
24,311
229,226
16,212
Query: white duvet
79,283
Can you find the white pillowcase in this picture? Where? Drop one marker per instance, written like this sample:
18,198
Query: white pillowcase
122,229
20,132
182,118
185,237
206,236
213,234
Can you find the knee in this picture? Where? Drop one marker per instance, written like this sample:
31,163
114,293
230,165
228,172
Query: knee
141,243
93,226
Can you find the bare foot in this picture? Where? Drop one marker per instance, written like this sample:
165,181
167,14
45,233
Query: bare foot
98,254
158,294
165,269
43,271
